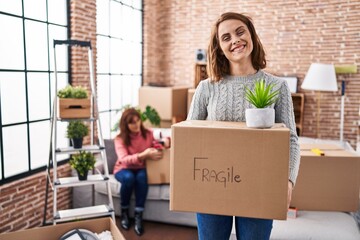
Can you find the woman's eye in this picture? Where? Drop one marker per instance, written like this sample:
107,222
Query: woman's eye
226,38
239,33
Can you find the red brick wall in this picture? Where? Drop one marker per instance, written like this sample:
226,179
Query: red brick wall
294,33
22,201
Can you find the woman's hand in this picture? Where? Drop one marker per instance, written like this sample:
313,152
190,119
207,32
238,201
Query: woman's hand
290,188
150,153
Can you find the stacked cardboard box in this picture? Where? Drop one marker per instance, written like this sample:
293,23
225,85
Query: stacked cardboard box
327,183
169,102
158,171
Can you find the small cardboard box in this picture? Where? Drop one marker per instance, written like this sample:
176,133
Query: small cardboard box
169,102
74,107
56,231
158,171
226,168
327,183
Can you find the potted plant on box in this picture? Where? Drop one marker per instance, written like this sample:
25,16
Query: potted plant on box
74,102
262,96
82,163
76,131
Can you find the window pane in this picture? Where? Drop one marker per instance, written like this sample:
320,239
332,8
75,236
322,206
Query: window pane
36,45
13,102
117,58
103,92
102,17
57,12
13,6
102,54
38,95
15,150
58,33
137,4
105,125
39,143
11,43
116,92
137,29
35,9
132,65
129,90
62,140
115,19
115,118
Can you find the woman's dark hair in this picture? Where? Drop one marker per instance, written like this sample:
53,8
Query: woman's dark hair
217,64
126,118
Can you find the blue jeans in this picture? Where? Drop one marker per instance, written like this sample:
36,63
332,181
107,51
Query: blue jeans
217,227
133,179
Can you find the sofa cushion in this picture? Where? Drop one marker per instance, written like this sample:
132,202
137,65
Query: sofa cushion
110,154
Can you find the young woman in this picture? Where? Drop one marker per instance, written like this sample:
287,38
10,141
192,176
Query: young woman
235,60
133,146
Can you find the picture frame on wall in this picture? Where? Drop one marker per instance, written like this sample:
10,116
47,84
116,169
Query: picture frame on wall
292,82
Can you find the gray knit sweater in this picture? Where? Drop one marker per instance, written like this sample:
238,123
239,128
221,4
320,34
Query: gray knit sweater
225,101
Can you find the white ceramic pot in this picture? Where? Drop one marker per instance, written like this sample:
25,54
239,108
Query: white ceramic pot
260,117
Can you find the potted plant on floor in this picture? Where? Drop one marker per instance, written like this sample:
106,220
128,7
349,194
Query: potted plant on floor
262,96
74,102
76,131
82,163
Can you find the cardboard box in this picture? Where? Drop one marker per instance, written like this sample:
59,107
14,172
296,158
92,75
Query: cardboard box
54,232
74,107
327,183
191,93
226,168
169,102
158,171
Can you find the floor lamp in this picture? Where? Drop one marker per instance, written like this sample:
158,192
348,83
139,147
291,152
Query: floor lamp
320,77
346,70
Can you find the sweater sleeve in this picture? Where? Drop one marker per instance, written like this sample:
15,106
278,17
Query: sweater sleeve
200,100
123,154
284,113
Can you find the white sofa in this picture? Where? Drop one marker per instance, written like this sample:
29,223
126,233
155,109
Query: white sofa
308,224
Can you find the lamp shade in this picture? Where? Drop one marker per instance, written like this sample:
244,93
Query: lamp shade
320,77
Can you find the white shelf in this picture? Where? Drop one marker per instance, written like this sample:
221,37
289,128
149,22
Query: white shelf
74,181
70,150
81,213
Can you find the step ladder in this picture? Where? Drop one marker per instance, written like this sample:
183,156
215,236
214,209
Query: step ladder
56,182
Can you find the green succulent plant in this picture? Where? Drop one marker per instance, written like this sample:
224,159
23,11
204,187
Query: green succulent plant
77,129
72,92
82,162
262,95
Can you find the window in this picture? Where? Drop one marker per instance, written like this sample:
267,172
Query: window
119,76
27,30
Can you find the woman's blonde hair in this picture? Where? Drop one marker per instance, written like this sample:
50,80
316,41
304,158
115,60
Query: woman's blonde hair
217,64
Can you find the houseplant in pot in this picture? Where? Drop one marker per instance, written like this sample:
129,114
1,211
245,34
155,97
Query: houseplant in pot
261,97
76,131
82,163
74,102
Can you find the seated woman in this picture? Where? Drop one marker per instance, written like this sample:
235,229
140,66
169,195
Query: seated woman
134,145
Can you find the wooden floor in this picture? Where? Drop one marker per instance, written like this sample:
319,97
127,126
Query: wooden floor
159,231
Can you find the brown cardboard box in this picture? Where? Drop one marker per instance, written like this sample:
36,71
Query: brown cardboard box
226,168
191,93
169,102
327,183
56,231
158,171
74,107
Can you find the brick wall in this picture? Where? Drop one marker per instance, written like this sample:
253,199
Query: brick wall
22,201
294,33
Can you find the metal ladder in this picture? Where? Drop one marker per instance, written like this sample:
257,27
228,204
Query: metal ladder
56,182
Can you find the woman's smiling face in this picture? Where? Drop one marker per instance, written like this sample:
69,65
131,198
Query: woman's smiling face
235,41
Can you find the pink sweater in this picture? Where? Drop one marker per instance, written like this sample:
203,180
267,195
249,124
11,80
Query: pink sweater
128,156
